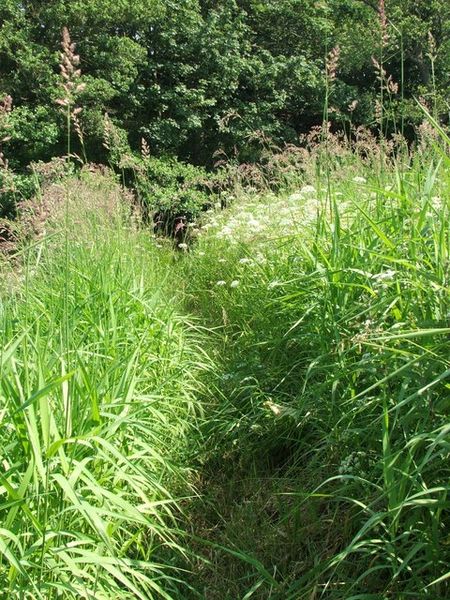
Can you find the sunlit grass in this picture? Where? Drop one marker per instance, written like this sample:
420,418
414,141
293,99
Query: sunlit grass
335,361
262,416
97,414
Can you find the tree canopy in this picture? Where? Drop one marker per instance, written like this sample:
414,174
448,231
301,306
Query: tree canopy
192,76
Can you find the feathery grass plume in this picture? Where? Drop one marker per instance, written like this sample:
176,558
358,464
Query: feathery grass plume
432,55
386,81
391,85
70,71
5,109
145,149
383,23
71,86
378,111
78,128
113,142
379,105
332,63
107,132
331,66
432,47
380,71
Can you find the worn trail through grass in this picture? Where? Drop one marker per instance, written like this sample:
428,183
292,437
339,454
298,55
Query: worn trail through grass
263,416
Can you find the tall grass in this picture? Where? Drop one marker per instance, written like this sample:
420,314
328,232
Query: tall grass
290,440
332,400
97,409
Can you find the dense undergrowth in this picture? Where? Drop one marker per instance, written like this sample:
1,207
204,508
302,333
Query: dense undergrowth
264,415
98,410
331,411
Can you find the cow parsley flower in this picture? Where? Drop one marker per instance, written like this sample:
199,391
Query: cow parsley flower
295,197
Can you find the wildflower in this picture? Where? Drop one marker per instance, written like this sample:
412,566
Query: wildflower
295,197
221,282
308,189
225,232
235,283
254,224
384,275
436,202
273,284
359,179
352,463
245,261
183,246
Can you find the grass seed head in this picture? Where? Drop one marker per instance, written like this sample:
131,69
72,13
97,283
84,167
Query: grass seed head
332,63
383,22
70,74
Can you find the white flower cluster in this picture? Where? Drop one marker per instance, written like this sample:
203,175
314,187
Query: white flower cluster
384,276
234,284
260,217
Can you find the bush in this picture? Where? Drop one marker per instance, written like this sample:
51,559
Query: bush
172,191
13,189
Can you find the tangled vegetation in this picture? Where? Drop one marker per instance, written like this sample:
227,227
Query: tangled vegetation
224,383
264,415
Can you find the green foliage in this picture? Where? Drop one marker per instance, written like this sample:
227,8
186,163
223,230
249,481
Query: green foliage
172,188
97,409
329,413
13,189
196,76
34,132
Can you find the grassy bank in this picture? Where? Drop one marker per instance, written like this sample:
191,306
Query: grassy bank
98,408
329,422
262,416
